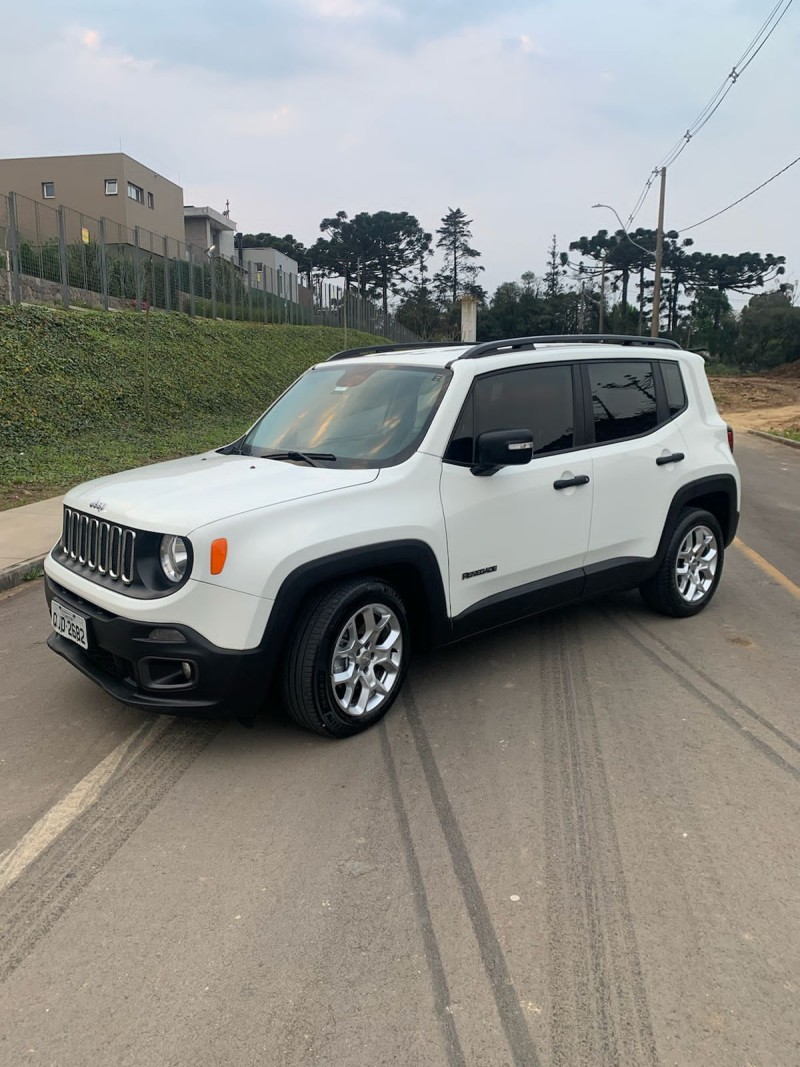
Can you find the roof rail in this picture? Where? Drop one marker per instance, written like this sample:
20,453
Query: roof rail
372,349
490,348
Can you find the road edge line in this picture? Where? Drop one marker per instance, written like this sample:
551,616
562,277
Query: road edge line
768,568
62,814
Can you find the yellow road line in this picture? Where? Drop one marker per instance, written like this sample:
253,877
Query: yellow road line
767,568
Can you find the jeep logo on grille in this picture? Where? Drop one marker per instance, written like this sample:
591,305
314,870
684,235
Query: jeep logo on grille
98,505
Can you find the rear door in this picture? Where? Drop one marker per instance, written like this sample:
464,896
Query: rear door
634,414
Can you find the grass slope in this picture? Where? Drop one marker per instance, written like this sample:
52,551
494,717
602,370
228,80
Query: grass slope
73,389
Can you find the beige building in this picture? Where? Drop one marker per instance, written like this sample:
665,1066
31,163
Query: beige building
209,230
108,185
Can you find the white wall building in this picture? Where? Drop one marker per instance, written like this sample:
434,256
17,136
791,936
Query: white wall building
271,270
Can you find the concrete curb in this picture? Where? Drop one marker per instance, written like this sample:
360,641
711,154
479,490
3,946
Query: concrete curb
775,437
14,576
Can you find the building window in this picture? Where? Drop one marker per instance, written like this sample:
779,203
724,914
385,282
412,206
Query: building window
49,190
135,192
150,200
111,186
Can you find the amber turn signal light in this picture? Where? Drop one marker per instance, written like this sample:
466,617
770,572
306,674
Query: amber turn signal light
219,553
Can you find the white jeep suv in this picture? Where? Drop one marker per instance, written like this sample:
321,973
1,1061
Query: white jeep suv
392,497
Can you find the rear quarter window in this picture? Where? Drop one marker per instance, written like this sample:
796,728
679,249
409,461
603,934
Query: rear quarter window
673,387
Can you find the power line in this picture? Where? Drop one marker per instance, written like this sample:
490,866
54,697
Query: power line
761,37
764,33
741,198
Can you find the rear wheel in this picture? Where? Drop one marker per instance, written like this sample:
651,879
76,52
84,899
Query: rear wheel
692,566
348,659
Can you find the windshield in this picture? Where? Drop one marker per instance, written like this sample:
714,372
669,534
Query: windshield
364,416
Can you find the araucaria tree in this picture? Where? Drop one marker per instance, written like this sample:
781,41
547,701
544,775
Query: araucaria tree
374,252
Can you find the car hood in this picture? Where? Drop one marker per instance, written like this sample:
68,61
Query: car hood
182,494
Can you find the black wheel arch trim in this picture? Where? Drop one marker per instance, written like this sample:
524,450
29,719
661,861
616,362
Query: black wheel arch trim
694,492
408,563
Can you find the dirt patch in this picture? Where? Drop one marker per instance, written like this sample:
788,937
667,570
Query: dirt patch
788,370
758,403
748,393
783,418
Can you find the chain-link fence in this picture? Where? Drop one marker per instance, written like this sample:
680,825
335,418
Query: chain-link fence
60,256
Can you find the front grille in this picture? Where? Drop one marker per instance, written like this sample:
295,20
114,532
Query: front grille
100,546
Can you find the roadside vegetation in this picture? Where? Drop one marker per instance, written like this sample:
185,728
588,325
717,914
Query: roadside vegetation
590,284
85,393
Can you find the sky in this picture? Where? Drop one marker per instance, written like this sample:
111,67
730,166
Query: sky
524,114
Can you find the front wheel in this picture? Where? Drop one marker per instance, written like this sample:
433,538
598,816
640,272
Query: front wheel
691,568
348,658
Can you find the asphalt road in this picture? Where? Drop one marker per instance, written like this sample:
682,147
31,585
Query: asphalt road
573,842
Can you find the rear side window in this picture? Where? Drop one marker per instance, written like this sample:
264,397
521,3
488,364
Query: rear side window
623,399
673,387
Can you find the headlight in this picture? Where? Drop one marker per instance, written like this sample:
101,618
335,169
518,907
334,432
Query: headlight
174,556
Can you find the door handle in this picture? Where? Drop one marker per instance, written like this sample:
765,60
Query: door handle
676,457
565,483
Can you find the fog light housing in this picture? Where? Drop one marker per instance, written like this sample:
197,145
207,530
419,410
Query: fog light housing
166,674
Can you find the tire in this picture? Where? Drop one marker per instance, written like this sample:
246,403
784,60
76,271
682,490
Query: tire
691,568
339,618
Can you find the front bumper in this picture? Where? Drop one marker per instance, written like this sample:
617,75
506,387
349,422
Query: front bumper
146,673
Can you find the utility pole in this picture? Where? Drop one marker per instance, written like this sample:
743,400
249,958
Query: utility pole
602,297
659,254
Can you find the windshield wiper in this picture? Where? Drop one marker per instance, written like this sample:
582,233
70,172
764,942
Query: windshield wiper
307,457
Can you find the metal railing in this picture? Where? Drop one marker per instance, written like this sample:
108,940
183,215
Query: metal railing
61,256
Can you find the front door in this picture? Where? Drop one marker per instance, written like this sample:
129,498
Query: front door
510,534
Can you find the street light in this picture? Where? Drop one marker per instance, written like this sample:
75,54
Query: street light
658,255
622,227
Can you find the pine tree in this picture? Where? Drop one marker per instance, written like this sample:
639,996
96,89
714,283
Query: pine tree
460,270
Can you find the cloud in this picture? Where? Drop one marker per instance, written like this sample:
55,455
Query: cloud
294,114
275,39
259,124
349,9
527,45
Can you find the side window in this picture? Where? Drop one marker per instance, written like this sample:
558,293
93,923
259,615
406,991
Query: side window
673,386
623,400
460,449
538,399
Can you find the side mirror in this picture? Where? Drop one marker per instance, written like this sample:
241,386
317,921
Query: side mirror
502,448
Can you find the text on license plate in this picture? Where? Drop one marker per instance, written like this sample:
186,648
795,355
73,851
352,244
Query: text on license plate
69,624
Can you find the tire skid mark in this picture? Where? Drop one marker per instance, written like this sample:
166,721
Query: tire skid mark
433,956
722,713
512,1020
737,702
31,906
599,1012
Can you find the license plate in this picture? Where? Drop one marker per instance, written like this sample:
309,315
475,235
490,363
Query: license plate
69,624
